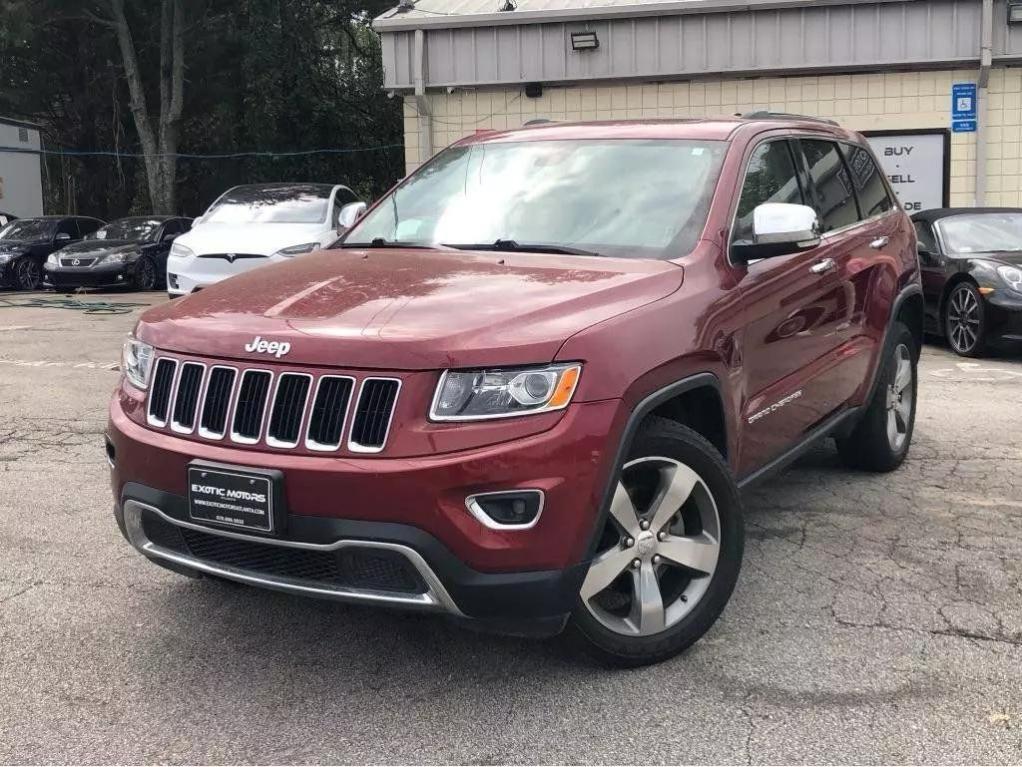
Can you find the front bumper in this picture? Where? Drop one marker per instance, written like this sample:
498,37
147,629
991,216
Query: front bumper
88,277
410,506
1004,311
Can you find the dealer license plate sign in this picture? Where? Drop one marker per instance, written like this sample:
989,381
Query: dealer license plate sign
235,498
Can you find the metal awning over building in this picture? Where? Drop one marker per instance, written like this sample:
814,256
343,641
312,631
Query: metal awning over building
471,43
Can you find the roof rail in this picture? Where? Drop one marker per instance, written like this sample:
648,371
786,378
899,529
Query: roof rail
767,115
538,121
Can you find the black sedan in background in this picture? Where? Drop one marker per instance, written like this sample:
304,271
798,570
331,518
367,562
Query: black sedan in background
129,252
6,218
971,261
26,242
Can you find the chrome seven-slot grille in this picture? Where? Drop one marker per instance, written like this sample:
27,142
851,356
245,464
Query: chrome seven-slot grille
283,409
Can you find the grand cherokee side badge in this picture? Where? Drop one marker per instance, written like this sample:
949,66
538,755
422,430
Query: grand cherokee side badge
277,348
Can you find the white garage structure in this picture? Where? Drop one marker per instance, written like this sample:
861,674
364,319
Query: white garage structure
884,67
21,184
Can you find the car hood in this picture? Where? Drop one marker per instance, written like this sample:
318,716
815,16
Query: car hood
264,239
409,309
7,246
1012,257
94,248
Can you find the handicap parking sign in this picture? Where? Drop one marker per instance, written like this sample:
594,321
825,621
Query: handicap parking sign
963,107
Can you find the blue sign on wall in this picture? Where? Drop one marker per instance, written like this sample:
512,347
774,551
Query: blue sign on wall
963,107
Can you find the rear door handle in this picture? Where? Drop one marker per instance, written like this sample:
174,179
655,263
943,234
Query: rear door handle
824,266
880,242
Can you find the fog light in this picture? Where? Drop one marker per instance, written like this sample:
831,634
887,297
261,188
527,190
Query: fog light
172,280
507,510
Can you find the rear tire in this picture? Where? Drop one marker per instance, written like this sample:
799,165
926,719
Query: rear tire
670,551
881,439
965,323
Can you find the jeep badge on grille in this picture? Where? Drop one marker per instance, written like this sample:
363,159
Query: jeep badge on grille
277,348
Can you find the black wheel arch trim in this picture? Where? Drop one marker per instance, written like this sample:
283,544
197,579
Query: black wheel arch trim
646,406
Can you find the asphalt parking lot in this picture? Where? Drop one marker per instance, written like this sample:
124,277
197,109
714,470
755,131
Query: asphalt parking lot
878,619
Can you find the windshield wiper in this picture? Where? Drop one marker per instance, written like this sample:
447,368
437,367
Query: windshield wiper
380,242
513,246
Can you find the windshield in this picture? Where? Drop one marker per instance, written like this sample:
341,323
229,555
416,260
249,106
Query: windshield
285,204
29,229
982,232
128,229
637,198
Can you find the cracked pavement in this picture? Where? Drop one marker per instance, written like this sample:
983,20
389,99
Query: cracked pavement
878,619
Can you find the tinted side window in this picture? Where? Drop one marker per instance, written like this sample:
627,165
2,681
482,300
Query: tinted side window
171,227
185,224
769,177
68,227
835,200
88,225
926,239
868,180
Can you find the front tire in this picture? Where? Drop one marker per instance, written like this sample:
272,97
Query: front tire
670,551
965,324
881,439
144,277
28,274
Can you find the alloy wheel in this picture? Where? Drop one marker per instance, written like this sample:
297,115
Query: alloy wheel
963,320
900,396
29,274
659,549
145,275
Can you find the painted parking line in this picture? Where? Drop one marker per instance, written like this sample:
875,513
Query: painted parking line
61,364
976,371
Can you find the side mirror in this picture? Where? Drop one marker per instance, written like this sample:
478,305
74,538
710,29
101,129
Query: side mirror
779,229
349,214
925,255
169,237
62,237
196,221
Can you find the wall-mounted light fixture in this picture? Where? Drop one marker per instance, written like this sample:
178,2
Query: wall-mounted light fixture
1014,12
584,41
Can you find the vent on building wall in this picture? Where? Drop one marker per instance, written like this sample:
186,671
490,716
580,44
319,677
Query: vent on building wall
23,135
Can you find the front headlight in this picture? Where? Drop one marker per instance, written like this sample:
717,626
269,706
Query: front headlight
181,251
51,259
475,395
137,362
5,257
1011,275
118,258
297,250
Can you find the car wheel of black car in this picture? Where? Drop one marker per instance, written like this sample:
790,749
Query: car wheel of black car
144,277
669,554
881,439
965,320
28,275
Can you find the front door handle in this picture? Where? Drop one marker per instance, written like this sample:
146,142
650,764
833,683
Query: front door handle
824,266
880,242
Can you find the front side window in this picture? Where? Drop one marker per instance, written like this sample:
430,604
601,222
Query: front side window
628,198
869,182
835,199
925,236
272,204
769,177
982,232
29,229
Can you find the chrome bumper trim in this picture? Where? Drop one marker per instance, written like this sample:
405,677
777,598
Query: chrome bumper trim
436,598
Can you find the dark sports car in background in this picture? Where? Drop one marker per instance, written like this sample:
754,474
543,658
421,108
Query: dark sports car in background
129,252
26,242
971,260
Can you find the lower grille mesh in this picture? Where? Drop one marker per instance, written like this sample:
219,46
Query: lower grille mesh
354,567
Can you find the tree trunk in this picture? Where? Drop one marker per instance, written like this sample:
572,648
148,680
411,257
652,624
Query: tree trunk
159,146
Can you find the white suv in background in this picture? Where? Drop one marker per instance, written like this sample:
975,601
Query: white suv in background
257,224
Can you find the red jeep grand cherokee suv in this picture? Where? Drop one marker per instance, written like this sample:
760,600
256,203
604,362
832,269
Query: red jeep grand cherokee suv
529,385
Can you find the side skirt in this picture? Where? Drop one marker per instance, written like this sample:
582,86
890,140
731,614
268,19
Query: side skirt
831,426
